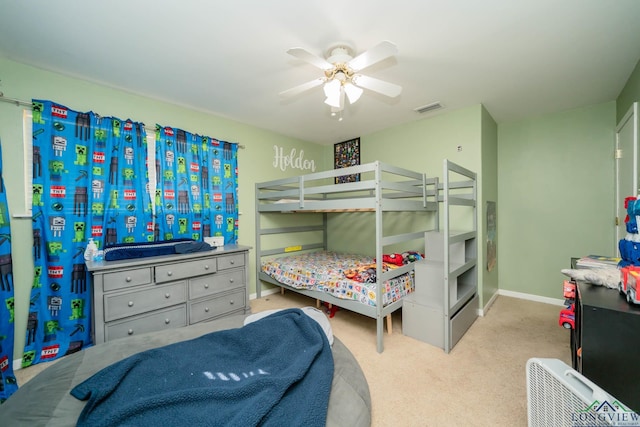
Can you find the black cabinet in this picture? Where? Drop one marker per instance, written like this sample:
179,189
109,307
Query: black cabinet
605,343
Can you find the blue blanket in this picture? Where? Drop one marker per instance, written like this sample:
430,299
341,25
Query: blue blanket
147,249
273,372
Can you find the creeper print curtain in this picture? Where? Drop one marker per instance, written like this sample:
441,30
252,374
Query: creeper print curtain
89,181
196,190
8,383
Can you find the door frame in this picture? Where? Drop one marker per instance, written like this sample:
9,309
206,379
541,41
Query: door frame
619,211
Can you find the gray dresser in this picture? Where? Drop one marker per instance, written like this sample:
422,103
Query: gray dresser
141,295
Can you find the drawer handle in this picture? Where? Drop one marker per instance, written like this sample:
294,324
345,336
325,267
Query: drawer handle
230,280
130,331
232,262
206,267
231,302
169,273
130,304
167,295
128,279
206,286
206,309
167,321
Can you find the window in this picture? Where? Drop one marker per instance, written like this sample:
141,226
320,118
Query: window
27,141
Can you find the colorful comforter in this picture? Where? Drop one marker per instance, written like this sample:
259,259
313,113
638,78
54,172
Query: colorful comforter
328,271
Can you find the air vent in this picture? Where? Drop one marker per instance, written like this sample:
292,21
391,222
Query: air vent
429,107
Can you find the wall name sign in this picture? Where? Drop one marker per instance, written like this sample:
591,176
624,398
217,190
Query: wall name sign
293,160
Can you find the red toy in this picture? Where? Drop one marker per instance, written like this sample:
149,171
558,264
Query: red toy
331,309
569,289
568,317
628,284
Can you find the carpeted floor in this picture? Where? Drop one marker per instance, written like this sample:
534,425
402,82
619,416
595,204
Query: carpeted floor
481,382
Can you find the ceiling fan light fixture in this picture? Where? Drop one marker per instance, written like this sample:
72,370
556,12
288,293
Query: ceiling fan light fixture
332,89
333,92
340,80
334,102
353,92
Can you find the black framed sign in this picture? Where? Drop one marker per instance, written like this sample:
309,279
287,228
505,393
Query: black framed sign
347,154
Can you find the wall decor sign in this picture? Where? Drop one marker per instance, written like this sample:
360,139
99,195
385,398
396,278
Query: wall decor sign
347,154
293,159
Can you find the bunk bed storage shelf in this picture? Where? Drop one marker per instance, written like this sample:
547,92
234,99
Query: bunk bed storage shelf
422,320
423,312
445,300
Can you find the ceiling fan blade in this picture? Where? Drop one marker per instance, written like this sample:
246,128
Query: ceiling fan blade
385,88
373,55
309,57
302,88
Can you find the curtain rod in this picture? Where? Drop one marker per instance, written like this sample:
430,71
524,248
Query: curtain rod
19,102
14,101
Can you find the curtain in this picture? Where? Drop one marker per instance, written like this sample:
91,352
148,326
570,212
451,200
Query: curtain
8,383
196,193
89,181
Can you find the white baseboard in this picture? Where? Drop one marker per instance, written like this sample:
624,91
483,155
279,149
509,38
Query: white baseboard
531,297
520,295
265,293
483,310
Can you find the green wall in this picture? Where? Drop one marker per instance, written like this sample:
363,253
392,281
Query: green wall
421,146
630,94
556,187
489,192
256,161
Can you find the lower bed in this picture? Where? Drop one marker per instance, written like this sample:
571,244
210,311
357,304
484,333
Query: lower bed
46,400
346,280
344,276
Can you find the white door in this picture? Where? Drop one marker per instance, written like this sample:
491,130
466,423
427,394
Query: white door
627,156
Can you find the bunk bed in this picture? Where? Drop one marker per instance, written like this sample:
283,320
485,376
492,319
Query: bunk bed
382,189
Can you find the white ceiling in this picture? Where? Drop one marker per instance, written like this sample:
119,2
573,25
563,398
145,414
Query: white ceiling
519,58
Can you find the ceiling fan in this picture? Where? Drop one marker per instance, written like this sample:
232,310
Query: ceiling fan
342,73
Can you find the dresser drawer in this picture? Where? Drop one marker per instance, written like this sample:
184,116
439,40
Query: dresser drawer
214,307
215,283
183,270
173,317
126,279
230,261
152,298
